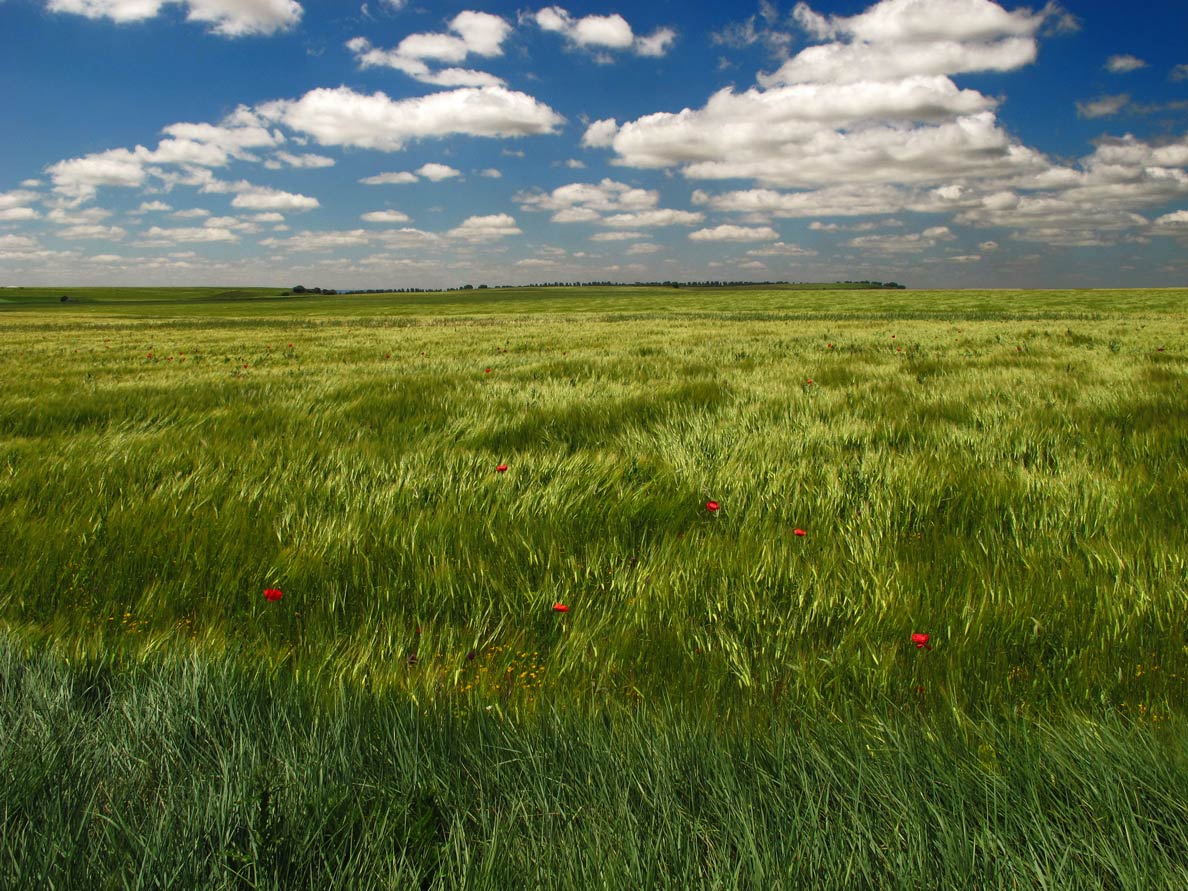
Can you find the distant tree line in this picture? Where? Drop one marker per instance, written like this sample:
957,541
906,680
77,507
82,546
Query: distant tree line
714,283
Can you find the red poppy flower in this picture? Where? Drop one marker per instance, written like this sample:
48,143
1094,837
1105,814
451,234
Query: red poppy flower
560,608
809,381
290,346
1160,350
502,468
488,371
712,506
830,346
272,595
800,533
921,641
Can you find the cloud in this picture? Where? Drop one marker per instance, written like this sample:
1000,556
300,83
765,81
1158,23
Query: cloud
840,201
738,35
485,228
385,216
474,33
735,234
643,249
437,172
587,202
17,198
187,145
656,44
230,18
600,134
17,214
14,206
900,38
491,173
307,161
340,116
19,247
875,105
913,243
320,241
920,129
1103,106
1180,72
780,249
384,179
617,236
648,219
92,231
202,234
1175,224
262,198
153,207
1123,64
1094,203
192,213
81,177
602,32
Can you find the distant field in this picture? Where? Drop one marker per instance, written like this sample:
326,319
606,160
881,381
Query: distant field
1004,471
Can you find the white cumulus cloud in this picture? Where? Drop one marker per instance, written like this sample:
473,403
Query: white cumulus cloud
262,198
437,172
1103,106
875,104
486,228
385,216
230,18
340,116
602,32
735,233
387,179
1123,64
474,33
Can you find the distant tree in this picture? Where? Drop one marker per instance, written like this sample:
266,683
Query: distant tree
64,299
299,289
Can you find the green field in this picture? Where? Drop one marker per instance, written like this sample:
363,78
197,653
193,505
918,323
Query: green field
724,704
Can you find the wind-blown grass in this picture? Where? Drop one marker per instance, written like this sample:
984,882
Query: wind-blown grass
201,774
1003,471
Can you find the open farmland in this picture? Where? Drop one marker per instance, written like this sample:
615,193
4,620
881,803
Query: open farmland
1006,472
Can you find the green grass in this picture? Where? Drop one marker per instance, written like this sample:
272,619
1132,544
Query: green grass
200,774
1005,471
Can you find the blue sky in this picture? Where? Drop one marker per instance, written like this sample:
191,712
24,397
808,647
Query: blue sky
939,143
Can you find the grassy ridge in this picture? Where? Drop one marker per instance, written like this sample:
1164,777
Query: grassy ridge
1003,471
